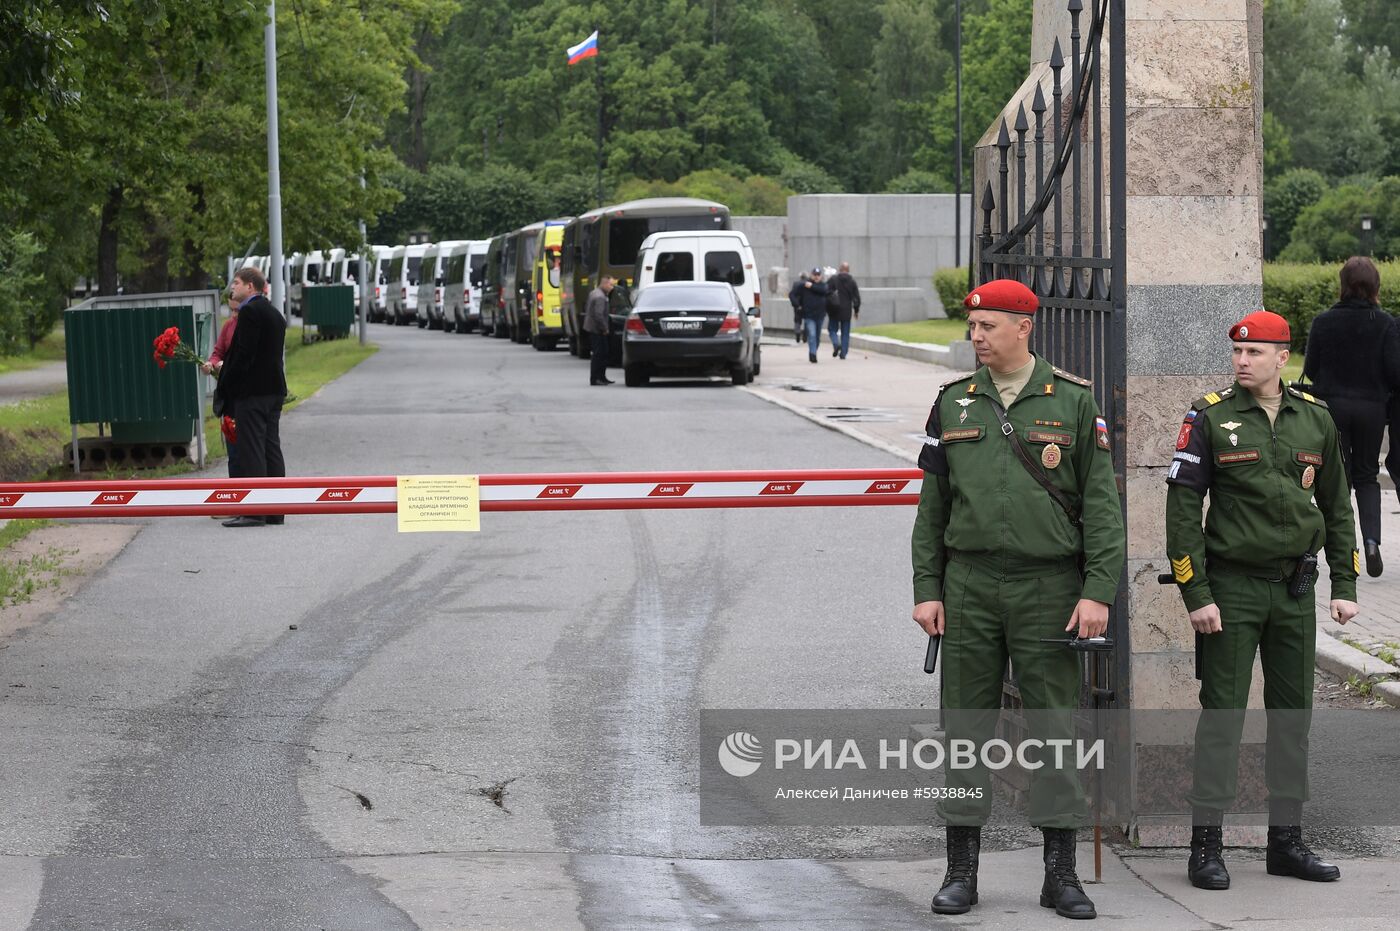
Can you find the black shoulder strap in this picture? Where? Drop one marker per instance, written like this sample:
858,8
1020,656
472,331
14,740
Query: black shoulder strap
1031,466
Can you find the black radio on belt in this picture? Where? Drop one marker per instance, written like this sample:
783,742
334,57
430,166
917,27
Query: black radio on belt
1304,574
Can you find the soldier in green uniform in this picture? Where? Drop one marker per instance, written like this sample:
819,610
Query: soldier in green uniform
1264,453
1001,561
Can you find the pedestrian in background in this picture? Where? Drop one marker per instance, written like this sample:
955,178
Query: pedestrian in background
212,367
1353,362
813,311
253,385
595,324
799,329
843,302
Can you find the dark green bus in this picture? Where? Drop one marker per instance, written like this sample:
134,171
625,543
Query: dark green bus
605,242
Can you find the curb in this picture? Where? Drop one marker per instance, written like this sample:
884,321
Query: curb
919,352
1343,660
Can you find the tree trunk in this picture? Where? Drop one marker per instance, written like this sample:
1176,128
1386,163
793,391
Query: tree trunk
107,242
154,276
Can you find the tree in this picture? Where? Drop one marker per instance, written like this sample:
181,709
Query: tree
1287,196
996,53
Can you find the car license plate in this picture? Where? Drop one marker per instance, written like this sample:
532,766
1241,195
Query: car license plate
682,326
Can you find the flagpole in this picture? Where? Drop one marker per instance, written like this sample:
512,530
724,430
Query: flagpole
598,77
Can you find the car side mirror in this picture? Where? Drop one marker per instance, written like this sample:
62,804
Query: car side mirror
755,312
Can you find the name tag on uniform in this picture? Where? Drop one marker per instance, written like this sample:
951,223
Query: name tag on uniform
964,433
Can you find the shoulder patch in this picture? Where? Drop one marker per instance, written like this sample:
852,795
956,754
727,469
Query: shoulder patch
1307,397
1211,399
1061,373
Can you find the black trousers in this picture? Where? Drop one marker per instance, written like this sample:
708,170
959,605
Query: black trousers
259,437
598,360
1360,426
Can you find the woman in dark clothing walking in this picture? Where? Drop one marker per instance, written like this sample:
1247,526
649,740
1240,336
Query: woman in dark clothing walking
1353,361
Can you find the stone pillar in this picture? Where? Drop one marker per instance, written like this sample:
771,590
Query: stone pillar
1194,177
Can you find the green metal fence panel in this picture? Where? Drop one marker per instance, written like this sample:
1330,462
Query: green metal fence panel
329,307
112,375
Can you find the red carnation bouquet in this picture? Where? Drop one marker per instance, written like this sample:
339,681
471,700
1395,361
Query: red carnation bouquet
229,428
170,349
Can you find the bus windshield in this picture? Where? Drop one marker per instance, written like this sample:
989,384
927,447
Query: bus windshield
625,234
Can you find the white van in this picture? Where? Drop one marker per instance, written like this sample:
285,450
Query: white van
402,281
703,255
461,286
307,271
430,300
379,306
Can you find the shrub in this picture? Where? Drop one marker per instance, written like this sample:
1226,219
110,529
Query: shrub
951,285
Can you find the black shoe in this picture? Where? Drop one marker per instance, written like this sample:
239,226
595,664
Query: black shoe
597,382
835,353
959,891
244,522
1289,856
275,520
1374,566
1062,890
1206,868
812,357
609,381
797,337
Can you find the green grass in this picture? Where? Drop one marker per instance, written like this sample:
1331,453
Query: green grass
21,577
920,331
17,530
48,349
32,433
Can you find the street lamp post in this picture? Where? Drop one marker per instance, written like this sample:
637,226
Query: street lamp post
1264,230
1368,224
957,132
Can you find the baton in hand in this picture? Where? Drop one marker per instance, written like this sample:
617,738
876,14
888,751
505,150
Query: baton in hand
931,657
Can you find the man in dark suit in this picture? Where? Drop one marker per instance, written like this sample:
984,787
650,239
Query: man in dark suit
253,385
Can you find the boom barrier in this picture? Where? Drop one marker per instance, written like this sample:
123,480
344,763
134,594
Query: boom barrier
378,494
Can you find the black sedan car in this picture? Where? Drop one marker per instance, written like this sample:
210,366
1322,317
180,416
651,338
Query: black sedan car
688,328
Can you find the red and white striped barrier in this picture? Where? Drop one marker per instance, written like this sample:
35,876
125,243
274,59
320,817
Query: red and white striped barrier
378,494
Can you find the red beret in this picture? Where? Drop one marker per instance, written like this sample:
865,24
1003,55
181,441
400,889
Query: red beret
1262,326
1003,294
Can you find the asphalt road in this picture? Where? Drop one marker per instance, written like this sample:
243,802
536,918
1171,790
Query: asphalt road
493,730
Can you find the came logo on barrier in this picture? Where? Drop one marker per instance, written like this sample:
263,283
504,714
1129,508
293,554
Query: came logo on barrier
669,491
339,494
228,496
781,488
9,501
559,491
740,754
114,497
886,488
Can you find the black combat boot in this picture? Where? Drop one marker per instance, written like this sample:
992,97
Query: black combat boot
1287,854
1062,890
1206,868
959,892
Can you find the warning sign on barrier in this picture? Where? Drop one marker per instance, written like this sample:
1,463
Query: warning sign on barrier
438,503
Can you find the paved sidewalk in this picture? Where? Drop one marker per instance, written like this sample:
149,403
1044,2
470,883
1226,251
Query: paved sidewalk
33,383
884,400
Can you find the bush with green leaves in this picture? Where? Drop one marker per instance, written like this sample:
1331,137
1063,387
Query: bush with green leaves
951,285
1329,230
1285,198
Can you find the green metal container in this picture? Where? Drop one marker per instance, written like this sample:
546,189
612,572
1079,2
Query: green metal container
113,376
330,308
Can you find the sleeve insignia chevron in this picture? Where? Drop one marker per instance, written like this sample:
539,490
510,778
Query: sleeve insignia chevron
1182,571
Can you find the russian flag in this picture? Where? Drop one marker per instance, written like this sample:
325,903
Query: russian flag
588,48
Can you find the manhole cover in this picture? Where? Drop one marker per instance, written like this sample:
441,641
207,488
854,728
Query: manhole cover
863,414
